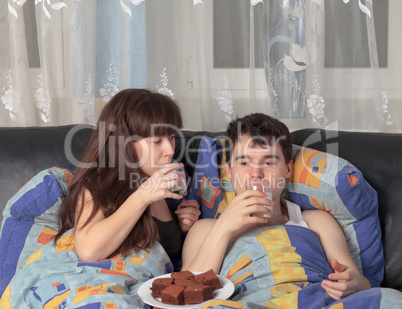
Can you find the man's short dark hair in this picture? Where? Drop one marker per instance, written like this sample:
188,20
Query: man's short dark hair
263,129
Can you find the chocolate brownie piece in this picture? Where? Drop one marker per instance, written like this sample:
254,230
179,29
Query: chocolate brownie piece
184,282
183,275
159,284
209,278
196,293
173,295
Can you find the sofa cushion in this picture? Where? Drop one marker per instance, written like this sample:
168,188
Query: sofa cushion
30,220
24,152
319,181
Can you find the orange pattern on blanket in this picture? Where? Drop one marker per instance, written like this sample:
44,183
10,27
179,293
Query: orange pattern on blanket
242,277
69,176
119,265
46,235
86,291
240,264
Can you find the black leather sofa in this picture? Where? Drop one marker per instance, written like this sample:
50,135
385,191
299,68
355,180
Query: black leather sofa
26,151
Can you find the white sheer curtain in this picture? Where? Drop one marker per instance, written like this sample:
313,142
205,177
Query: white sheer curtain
60,59
213,56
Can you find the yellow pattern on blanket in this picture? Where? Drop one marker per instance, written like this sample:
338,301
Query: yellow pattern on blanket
284,261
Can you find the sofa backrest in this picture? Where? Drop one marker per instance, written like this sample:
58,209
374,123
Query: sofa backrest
25,151
379,157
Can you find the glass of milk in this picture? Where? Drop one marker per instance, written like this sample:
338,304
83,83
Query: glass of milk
259,185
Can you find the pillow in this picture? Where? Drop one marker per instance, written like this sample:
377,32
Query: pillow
210,186
319,181
30,220
327,182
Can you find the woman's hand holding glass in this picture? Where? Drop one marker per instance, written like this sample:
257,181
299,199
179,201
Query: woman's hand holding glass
161,184
180,185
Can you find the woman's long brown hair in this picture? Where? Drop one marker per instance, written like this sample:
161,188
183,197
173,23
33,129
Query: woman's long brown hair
107,165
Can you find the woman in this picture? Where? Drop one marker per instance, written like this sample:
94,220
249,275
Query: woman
116,200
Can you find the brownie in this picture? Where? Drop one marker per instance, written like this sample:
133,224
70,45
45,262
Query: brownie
173,295
186,288
196,293
159,284
184,282
209,278
182,275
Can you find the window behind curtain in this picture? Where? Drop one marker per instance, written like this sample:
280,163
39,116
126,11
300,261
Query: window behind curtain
231,24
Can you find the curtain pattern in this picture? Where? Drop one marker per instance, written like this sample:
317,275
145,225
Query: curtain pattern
89,50
285,39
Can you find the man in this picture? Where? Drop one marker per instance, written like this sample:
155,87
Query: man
260,147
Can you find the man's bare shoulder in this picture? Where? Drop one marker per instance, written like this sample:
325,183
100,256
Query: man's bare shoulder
316,213
318,219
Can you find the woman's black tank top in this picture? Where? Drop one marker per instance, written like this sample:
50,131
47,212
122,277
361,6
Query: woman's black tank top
169,236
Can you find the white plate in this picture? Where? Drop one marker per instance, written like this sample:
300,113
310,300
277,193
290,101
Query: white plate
144,292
